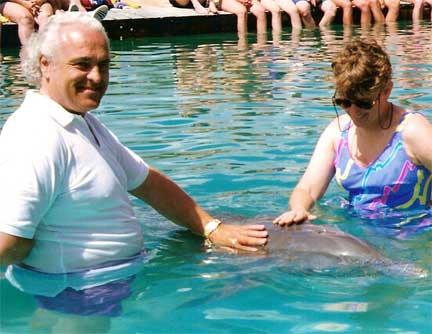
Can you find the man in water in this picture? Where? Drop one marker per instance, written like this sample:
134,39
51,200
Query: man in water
67,223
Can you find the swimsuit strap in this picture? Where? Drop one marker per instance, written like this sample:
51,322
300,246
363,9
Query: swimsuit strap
342,142
344,132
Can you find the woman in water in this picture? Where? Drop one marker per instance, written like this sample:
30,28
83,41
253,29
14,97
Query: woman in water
379,152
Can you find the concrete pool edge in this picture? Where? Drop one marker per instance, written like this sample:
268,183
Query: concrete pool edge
165,20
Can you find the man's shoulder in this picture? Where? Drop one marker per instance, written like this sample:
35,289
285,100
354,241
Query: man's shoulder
34,115
28,133
23,123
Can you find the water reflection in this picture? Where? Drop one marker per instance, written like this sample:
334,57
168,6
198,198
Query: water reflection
12,83
414,72
209,73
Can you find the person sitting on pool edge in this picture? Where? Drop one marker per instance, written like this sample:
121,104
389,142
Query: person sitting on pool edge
377,9
32,15
67,221
26,14
418,10
198,6
240,8
379,152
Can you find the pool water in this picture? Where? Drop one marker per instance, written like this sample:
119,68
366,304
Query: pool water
235,126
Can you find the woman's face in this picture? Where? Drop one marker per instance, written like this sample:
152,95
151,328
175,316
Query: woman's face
366,113
361,112
360,117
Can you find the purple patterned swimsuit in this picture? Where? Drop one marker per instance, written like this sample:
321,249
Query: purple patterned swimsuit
392,180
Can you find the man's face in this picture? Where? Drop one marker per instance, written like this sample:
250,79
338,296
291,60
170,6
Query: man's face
77,76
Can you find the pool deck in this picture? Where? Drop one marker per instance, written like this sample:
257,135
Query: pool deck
160,18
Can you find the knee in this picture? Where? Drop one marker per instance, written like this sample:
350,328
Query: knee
275,11
304,13
363,5
292,10
259,12
241,12
346,6
331,11
393,4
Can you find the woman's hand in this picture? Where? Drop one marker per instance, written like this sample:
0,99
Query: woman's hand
294,216
241,237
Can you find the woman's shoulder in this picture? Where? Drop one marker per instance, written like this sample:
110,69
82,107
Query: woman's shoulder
413,124
337,126
332,133
416,134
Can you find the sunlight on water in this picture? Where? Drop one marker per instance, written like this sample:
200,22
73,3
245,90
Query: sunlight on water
235,126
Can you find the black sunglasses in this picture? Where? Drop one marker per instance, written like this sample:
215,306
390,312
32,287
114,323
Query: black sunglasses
345,103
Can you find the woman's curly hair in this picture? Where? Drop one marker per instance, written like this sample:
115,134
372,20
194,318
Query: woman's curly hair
361,70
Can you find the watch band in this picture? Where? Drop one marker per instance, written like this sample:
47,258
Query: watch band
211,226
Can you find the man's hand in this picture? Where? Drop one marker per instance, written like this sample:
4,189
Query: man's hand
295,216
242,237
13,249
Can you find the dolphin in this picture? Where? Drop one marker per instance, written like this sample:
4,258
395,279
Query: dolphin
319,247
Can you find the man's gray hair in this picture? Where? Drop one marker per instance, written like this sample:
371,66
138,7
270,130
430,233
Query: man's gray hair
45,41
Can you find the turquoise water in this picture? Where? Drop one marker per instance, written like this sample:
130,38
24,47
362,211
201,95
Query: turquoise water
235,126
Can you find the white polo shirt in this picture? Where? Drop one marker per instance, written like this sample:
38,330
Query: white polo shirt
67,191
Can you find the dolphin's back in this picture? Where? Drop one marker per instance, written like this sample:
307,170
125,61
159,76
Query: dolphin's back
325,240
321,246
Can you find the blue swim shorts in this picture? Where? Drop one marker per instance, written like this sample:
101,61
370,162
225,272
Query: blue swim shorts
102,300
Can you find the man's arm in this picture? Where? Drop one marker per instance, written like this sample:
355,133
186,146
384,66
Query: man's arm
13,249
166,197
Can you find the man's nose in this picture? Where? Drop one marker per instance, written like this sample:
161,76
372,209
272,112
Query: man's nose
95,74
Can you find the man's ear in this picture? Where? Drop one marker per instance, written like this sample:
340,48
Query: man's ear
44,65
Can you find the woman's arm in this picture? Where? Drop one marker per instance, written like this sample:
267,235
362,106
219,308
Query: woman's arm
314,181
